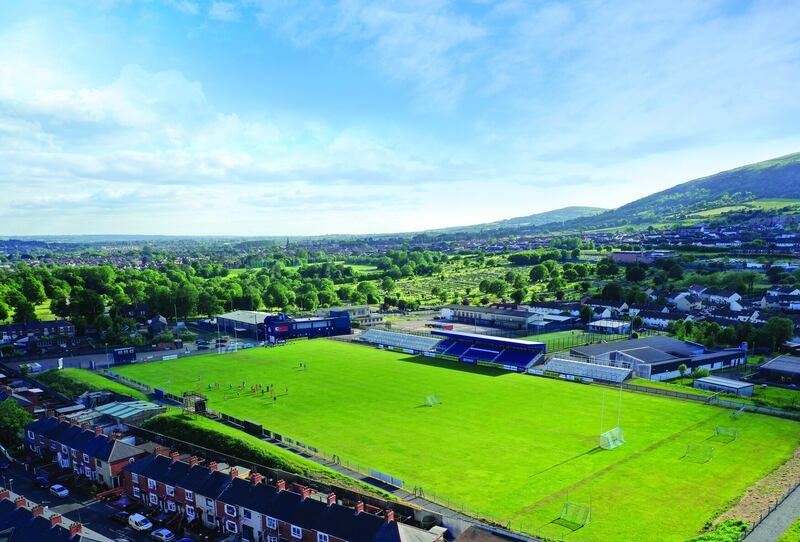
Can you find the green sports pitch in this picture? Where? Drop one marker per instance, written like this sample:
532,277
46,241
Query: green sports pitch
511,446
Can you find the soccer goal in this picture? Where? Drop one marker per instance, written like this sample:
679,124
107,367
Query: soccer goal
612,439
432,400
698,453
737,414
726,434
574,516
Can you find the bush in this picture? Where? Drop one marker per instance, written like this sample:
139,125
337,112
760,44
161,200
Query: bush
730,530
700,373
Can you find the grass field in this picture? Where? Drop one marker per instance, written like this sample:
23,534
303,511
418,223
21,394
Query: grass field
563,340
509,445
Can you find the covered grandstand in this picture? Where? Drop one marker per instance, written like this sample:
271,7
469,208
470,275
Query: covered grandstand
510,354
392,340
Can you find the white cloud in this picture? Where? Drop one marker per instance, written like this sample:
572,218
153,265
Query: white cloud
224,11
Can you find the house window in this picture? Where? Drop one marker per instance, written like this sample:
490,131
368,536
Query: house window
190,510
151,484
99,463
52,446
272,539
136,492
246,513
297,532
272,523
171,506
230,510
64,450
74,453
189,496
31,436
85,458
153,498
134,478
322,537
170,491
209,502
231,526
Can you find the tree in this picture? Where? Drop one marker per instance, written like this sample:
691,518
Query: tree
586,314
538,273
24,311
635,272
32,289
682,369
518,295
636,322
606,268
612,292
13,420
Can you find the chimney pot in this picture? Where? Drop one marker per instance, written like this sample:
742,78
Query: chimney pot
359,507
55,519
98,431
174,456
62,417
331,499
37,510
86,426
4,494
389,516
20,501
75,529
73,421
234,473
306,493
212,466
162,451
256,478
194,460
281,485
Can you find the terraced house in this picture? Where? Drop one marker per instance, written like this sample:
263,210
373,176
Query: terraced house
244,505
84,449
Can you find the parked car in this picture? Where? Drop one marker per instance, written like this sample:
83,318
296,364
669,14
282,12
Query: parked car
59,491
4,464
139,523
120,517
42,481
162,535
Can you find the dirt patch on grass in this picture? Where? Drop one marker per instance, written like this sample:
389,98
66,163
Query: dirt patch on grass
758,498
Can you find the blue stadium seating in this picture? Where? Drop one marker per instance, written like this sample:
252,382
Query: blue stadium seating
483,354
457,349
519,358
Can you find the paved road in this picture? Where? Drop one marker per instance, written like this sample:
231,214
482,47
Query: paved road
93,515
775,524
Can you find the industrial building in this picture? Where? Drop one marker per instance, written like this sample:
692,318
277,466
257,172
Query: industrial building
243,324
282,327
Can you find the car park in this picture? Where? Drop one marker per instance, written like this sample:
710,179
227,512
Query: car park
59,491
139,523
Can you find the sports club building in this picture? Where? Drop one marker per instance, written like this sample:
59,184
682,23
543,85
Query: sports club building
281,327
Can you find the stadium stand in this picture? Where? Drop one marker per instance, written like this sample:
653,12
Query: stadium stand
564,364
510,354
403,341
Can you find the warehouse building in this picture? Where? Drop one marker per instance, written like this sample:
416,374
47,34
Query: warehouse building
724,385
243,324
490,317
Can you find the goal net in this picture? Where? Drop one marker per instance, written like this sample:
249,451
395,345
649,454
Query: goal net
726,433
574,515
431,400
612,439
698,453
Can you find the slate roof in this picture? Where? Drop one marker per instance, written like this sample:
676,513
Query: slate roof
84,440
784,364
669,345
20,525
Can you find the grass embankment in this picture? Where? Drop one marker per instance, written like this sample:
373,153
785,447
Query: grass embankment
74,382
222,438
792,534
511,446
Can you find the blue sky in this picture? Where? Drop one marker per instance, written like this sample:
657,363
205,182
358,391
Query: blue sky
272,117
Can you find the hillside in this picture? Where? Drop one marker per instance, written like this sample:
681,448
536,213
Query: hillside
555,216
769,185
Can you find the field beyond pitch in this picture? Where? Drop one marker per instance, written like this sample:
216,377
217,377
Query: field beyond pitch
509,445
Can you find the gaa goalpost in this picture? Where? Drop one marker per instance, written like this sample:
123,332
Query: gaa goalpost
614,437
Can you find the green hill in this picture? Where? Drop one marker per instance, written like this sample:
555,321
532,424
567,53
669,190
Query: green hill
556,216
772,185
